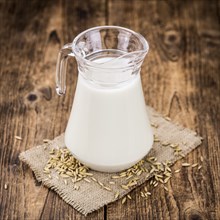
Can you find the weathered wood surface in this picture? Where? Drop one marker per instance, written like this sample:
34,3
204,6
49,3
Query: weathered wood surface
181,78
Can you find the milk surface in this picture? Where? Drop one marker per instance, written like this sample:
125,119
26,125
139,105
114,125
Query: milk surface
108,129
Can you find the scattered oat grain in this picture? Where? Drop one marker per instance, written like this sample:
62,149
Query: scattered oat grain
101,184
165,188
94,179
107,188
76,187
116,195
123,200
88,174
87,180
124,187
185,164
111,182
46,140
156,140
18,137
115,177
195,164
167,118
154,125
182,155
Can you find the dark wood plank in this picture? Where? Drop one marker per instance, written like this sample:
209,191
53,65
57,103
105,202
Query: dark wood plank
32,32
181,79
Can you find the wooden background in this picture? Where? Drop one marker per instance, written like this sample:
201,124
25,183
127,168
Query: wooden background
180,76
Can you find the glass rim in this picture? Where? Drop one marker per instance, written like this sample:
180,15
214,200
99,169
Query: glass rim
138,35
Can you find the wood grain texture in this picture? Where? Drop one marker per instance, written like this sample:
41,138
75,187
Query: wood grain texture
180,76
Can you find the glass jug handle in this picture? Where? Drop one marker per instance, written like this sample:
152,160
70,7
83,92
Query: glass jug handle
61,68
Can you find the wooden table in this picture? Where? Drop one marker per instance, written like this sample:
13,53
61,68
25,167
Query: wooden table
180,79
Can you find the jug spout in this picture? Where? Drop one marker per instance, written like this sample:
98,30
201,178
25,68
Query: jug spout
132,59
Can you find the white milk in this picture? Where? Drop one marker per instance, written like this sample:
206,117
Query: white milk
108,129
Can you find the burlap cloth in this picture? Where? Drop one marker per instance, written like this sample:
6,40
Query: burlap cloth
91,196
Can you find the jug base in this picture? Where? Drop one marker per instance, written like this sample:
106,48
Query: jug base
109,168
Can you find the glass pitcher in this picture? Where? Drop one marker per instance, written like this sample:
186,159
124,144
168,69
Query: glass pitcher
108,128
